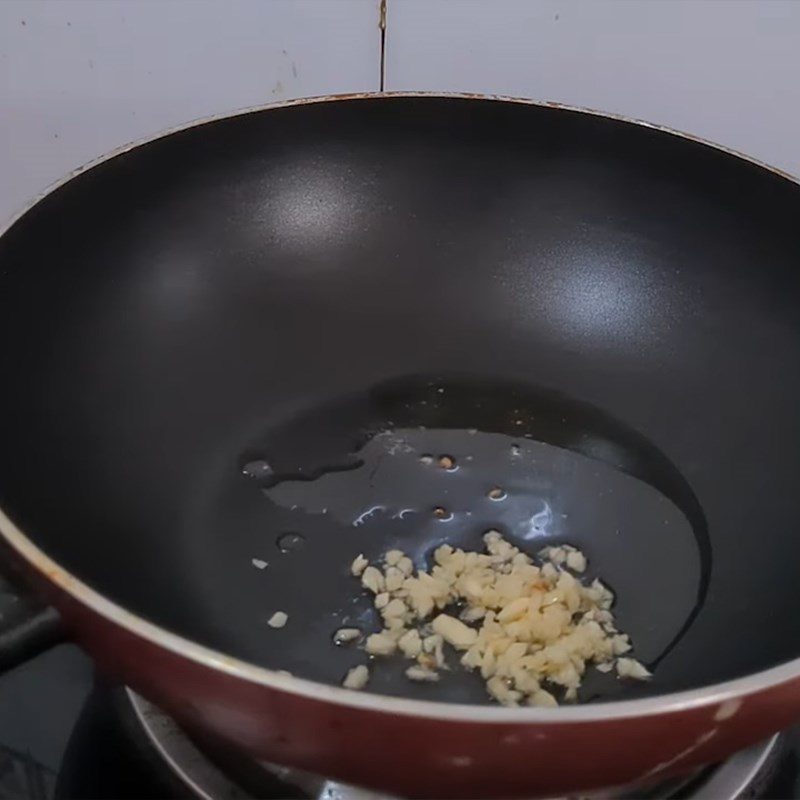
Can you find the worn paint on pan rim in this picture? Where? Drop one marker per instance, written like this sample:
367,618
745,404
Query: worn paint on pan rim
713,698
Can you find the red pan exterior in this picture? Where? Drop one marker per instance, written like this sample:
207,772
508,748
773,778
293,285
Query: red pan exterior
415,756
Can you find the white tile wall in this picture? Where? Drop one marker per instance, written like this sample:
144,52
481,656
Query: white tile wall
727,70
80,77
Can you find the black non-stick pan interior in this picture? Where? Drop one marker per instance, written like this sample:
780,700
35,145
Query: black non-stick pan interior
598,317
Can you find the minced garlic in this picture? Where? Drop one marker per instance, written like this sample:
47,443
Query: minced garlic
524,625
278,619
359,565
346,635
356,678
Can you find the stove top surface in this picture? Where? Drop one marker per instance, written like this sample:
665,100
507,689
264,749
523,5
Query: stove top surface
64,734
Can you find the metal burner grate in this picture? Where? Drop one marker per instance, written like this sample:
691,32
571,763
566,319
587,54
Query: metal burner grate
740,776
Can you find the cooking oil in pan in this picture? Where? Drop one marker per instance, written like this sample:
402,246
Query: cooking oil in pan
413,463
257,470
289,542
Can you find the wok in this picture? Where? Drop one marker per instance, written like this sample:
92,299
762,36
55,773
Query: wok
336,286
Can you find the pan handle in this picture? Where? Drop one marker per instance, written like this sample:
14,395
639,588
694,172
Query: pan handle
27,628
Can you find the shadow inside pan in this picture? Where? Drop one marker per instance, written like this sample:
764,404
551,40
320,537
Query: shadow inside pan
361,474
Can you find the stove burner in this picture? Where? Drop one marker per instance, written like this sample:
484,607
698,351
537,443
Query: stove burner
742,775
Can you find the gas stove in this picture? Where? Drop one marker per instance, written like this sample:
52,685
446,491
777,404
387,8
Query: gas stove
66,734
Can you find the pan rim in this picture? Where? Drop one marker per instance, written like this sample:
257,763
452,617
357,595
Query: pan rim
711,697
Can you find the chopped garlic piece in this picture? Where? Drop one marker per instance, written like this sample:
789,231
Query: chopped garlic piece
356,678
543,699
372,579
392,557
514,610
433,646
430,643
345,635
259,563
359,565
278,619
394,579
525,624
549,571
472,614
576,561
406,566
410,643
394,608
380,644
422,674
631,668
454,631
501,691
620,644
